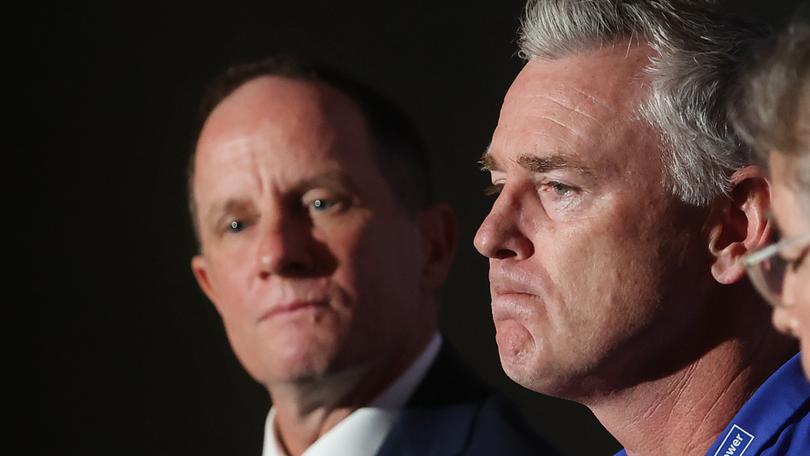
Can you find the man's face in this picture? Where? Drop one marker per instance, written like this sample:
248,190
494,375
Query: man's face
793,221
589,254
308,256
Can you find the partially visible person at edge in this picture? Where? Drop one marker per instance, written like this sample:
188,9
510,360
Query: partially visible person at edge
322,250
624,204
772,112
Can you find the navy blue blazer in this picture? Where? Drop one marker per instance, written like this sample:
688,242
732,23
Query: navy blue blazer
453,412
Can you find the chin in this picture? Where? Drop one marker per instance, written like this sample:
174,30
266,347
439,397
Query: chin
517,350
526,360
545,379
289,359
301,367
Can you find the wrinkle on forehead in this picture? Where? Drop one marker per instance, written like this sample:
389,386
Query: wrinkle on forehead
572,100
561,114
609,71
563,104
594,99
583,107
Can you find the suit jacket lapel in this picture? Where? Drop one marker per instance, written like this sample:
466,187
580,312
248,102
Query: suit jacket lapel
437,420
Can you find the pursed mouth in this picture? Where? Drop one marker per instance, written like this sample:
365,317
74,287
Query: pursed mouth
499,290
514,305
292,307
512,283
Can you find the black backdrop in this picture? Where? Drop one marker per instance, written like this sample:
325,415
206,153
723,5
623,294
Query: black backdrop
131,358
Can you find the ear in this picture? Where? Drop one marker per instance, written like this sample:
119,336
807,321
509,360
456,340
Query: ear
439,230
199,266
739,225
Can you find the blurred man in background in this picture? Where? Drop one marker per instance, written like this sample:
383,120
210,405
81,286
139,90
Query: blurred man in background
322,250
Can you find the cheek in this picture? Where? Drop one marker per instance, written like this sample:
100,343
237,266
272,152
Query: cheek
603,262
803,288
369,269
387,268
583,277
606,294
796,287
801,300
613,274
231,277
784,321
346,247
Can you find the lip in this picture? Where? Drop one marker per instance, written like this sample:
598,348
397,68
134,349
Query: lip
515,306
504,284
514,297
291,308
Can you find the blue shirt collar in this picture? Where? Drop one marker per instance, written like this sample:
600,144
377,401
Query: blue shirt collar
763,417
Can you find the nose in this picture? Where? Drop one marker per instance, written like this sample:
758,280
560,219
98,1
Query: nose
784,321
500,235
796,284
285,248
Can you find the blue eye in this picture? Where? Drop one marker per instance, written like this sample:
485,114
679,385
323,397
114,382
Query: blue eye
322,204
235,226
560,189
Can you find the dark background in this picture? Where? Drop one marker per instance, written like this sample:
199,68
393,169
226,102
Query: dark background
131,358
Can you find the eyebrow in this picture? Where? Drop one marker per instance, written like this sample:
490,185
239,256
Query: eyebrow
334,179
536,164
488,162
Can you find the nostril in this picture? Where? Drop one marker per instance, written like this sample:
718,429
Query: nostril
502,254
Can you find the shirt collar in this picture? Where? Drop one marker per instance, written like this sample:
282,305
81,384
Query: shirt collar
363,431
764,415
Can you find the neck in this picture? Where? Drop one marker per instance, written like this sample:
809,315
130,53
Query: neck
306,410
683,412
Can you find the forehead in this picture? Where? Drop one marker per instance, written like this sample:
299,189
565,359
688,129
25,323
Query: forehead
586,102
273,107
277,123
608,78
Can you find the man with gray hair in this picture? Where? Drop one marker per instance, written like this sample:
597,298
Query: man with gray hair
625,203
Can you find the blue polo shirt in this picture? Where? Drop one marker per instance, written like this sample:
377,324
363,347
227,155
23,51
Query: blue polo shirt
774,422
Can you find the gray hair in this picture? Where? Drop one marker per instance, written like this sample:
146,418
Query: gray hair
698,55
772,111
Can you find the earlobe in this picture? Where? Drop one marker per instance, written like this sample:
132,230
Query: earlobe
439,230
738,224
199,266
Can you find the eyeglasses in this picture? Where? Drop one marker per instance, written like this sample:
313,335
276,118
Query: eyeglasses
767,266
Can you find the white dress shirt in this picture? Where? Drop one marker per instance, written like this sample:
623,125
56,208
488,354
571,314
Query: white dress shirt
364,430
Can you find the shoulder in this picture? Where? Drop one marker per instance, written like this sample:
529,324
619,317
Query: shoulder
453,412
499,428
794,437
